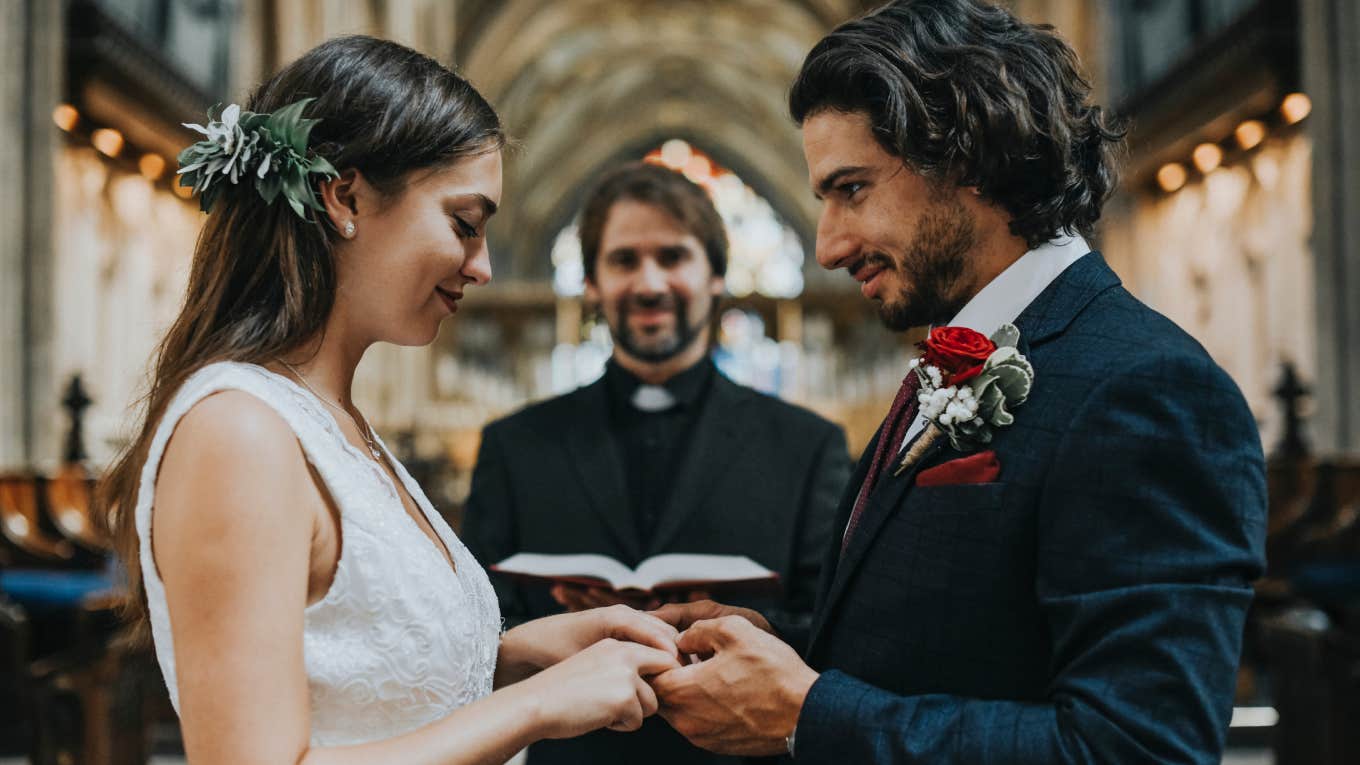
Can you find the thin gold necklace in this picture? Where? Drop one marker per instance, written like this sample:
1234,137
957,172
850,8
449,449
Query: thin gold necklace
365,432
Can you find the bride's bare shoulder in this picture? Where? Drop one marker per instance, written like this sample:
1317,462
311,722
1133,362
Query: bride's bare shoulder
234,429
230,454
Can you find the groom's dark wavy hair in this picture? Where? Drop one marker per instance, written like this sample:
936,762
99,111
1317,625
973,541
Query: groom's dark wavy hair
964,92
262,282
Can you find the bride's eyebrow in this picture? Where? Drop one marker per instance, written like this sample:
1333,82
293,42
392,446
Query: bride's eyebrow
481,200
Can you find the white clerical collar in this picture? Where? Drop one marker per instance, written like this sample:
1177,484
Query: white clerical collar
1010,293
652,398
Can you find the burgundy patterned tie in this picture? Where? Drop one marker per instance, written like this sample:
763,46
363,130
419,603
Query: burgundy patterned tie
894,429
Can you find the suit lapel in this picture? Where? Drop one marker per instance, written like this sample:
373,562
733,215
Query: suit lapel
886,499
831,560
1050,313
600,471
710,452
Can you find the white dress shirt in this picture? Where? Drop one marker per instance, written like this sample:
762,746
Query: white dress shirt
1010,293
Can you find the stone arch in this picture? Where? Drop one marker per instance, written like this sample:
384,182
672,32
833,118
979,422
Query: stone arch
583,85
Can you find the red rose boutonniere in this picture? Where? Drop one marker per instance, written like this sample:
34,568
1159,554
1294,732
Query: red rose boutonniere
958,352
969,385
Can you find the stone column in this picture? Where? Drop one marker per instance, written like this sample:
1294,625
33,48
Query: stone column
31,54
12,178
1331,68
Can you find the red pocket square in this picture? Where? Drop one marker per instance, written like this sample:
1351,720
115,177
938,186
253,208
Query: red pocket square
975,468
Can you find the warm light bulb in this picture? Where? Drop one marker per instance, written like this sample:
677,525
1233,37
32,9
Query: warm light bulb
66,117
1171,176
152,166
1295,107
676,153
1250,134
108,141
1207,157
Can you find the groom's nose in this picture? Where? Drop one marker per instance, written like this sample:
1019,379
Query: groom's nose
836,244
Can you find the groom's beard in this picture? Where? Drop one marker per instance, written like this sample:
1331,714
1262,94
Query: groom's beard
932,273
667,344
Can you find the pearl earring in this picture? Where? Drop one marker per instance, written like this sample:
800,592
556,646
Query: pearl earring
349,229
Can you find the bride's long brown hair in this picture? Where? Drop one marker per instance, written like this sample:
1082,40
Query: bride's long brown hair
262,280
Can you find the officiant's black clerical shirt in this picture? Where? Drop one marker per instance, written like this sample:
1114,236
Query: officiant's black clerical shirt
652,444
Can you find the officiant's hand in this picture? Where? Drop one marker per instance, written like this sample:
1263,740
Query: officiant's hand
744,697
682,615
576,597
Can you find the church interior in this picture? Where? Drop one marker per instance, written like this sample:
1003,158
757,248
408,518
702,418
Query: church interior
1237,216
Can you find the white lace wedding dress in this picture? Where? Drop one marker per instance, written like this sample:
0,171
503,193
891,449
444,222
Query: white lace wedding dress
400,639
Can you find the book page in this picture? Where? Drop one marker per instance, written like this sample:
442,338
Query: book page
693,567
598,566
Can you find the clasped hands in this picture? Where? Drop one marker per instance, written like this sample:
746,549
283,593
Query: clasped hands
730,685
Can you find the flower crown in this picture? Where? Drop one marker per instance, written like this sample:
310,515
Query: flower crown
271,147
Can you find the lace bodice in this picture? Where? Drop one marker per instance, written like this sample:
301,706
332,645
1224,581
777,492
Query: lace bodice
400,639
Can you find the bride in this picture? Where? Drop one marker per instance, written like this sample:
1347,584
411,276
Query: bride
306,602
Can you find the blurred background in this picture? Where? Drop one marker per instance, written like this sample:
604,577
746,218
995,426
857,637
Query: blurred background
1238,217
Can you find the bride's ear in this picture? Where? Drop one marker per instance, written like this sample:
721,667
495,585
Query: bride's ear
344,197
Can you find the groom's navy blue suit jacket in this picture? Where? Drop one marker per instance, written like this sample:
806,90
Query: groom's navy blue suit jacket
1088,605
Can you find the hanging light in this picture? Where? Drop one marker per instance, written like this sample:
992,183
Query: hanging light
1171,176
152,166
1295,107
66,117
676,153
1250,134
1207,157
108,141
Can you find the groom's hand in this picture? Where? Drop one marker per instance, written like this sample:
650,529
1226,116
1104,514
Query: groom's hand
682,615
744,697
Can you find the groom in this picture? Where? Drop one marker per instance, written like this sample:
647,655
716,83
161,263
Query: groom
1062,578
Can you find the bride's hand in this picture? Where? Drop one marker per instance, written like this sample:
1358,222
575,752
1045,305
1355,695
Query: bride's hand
602,686
544,642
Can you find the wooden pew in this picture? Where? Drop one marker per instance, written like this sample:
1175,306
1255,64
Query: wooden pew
21,524
69,504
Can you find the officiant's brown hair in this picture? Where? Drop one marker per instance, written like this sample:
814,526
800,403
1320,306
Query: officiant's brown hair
262,281
682,199
964,92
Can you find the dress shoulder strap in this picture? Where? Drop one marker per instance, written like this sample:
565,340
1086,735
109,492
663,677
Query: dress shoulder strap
319,447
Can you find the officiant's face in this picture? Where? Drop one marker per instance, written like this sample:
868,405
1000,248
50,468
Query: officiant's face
653,282
905,239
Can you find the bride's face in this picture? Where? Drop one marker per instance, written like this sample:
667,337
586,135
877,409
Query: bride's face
412,255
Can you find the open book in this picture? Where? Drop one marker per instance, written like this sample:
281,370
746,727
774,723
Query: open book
658,574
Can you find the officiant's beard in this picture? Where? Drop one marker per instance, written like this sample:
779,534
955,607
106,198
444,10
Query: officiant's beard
931,275
667,344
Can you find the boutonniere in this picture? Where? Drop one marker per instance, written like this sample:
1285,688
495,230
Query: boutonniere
969,385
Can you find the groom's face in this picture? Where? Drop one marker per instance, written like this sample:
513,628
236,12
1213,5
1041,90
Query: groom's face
906,239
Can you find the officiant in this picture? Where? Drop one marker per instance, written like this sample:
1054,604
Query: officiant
663,454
